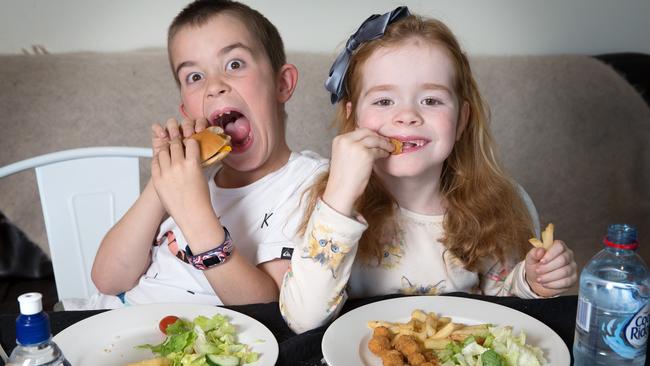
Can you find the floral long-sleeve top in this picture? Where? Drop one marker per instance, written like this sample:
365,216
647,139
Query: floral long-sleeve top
324,272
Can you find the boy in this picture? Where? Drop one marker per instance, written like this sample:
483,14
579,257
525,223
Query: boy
229,63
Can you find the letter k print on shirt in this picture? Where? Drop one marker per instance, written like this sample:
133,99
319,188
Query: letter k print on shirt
265,222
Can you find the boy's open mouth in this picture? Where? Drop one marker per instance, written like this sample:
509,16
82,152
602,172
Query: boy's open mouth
237,126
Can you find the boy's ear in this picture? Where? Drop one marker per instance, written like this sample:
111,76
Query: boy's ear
286,82
463,118
181,108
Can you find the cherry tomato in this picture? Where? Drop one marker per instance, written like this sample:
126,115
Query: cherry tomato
165,322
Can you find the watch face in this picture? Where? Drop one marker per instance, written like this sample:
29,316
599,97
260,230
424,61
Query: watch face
211,261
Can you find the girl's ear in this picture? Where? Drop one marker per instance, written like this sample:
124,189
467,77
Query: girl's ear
348,110
286,82
181,108
463,118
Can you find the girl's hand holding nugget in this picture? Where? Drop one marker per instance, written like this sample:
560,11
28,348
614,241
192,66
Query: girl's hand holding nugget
551,271
353,155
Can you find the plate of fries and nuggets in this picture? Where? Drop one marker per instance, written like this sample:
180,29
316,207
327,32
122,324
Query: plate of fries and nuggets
428,330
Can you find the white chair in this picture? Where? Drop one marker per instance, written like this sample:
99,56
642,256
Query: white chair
83,193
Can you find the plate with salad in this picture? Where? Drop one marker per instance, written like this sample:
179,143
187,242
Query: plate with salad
441,330
169,335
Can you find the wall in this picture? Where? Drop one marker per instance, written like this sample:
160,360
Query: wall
484,27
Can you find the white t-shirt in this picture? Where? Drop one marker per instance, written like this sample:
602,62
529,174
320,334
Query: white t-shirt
262,219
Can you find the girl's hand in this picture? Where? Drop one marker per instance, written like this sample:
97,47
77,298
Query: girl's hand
176,173
551,272
353,156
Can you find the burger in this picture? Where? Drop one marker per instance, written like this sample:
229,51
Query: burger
214,145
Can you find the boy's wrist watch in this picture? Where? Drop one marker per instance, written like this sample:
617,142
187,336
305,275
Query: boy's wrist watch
212,257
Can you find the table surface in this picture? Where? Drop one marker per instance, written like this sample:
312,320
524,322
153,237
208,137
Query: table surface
305,349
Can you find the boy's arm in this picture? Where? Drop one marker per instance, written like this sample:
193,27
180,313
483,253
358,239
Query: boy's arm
313,291
124,253
236,281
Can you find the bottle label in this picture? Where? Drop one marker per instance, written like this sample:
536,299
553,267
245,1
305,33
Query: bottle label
583,317
636,332
627,336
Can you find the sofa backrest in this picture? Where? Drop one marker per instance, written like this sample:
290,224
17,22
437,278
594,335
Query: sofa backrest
570,130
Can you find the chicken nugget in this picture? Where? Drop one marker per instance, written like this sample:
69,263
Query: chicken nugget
407,344
392,358
430,356
381,331
416,359
379,344
397,146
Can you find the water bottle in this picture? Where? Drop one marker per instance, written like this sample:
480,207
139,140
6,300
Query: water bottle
34,340
613,304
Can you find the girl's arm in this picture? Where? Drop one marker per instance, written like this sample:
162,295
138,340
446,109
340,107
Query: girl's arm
313,291
124,253
543,273
498,279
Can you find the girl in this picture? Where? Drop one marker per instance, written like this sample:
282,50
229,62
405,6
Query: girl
440,216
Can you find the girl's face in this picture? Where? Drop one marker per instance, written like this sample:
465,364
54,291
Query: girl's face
407,93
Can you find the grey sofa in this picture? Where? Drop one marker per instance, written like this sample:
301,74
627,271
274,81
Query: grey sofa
570,129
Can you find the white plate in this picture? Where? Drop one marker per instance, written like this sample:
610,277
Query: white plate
109,338
345,342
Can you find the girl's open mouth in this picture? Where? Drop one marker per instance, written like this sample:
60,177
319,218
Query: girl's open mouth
412,144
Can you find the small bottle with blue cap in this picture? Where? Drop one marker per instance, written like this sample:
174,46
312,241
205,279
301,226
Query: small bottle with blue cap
33,337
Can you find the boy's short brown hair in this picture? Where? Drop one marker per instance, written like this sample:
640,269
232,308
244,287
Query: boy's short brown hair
201,11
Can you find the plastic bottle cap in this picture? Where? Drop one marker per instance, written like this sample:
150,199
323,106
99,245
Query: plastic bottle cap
33,324
30,303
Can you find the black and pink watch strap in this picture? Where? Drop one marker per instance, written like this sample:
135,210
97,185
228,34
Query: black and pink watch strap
212,257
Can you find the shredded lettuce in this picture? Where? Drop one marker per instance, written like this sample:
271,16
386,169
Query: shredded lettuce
500,348
188,343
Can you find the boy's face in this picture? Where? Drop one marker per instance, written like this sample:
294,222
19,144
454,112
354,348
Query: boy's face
226,77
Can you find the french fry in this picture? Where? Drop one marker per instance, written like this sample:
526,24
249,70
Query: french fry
419,315
432,343
536,242
162,361
372,324
547,238
430,326
476,331
445,331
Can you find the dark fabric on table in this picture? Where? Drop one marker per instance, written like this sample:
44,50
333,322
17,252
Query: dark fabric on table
305,349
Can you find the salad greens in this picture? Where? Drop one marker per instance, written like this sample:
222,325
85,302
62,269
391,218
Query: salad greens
203,342
500,348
